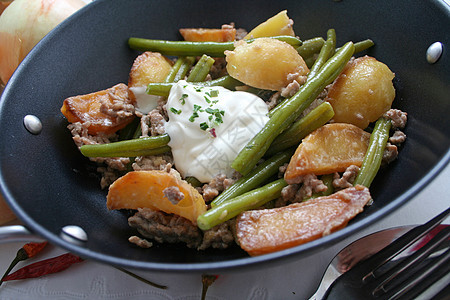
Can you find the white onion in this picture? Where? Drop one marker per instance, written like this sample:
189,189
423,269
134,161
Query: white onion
24,23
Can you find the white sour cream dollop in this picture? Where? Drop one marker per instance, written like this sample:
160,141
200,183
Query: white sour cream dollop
144,102
208,126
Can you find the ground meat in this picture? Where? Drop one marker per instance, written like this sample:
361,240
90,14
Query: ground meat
390,154
168,228
218,237
311,185
120,107
218,69
213,188
291,89
274,100
174,194
302,189
347,179
397,138
152,124
154,162
110,167
217,185
143,243
81,136
164,228
398,118
241,34
288,194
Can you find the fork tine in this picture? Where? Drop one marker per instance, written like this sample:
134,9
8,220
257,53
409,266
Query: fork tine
413,260
403,242
427,276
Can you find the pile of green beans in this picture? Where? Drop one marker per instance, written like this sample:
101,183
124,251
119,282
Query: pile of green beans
258,176
374,155
292,136
291,110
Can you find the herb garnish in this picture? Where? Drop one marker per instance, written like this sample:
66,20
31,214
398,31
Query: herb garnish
183,99
175,111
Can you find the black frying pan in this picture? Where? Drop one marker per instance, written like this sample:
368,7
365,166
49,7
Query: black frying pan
49,185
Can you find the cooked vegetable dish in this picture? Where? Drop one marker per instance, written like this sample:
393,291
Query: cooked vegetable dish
232,137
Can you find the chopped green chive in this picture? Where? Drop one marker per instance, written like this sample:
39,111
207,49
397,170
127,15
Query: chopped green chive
183,99
175,111
214,93
204,126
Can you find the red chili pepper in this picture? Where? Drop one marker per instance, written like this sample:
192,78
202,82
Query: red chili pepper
44,267
27,251
207,281
34,248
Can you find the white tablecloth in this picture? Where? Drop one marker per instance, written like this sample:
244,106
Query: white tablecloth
91,280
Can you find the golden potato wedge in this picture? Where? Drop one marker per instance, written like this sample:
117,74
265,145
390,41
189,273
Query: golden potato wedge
362,93
148,189
280,24
87,107
208,35
149,67
265,63
269,230
331,148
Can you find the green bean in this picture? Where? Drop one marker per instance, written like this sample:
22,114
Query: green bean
186,48
130,148
255,178
187,64
163,89
179,67
231,208
301,128
325,53
310,47
175,68
362,45
193,181
201,69
291,110
374,155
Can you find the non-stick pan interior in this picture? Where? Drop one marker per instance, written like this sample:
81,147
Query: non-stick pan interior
49,184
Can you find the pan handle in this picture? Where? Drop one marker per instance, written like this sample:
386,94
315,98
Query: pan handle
17,233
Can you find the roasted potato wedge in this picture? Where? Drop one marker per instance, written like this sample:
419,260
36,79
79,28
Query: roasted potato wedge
208,34
149,67
88,108
331,148
150,189
280,24
269,230
362,93
265,63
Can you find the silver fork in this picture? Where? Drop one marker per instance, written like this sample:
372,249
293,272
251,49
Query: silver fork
389,274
